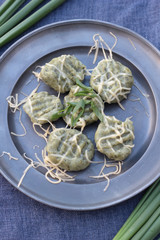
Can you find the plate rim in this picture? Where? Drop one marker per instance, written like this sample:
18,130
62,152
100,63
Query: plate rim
76,21
52,25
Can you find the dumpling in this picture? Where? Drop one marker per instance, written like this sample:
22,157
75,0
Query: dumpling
70,149
114,138
112,80
61,72
42,106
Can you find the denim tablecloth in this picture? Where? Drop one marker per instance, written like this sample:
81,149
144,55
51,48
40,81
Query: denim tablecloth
22,218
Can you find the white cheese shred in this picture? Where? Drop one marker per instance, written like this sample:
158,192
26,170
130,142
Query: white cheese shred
137,99
95,47
100,41
115,43
117,165
53,173
144,94
13,102
15,105
23,134
35,146
132,43
46,131
9,155
37,75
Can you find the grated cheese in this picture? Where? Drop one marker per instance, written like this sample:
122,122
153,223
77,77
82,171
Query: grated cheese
9,154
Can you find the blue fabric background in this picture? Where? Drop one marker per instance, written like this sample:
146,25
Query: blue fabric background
22,218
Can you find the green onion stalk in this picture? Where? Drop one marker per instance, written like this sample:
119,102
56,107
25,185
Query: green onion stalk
30,21
20,15
144,222
5,6
12,8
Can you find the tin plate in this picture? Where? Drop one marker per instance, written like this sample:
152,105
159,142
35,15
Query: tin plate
139,170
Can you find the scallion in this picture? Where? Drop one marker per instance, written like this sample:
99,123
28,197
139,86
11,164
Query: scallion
30,21
19,16
5,6
139,235
10,11
153,231
144,215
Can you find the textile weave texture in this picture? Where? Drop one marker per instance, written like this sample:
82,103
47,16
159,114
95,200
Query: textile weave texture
22,218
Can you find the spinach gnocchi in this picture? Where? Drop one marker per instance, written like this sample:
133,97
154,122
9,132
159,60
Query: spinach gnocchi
41,106
112,80
114,138
60,73
70,149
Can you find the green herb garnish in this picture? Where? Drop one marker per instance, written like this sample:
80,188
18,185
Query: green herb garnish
63,112
78,108
96,111
84,87
85,94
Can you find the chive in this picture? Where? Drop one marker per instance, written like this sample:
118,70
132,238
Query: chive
5,6
143,204
19,16
10,11
96,111
31,20
144,210
80,84
147,225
